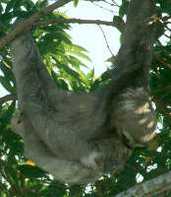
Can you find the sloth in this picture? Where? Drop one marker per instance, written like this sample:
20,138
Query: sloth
65,133
78,137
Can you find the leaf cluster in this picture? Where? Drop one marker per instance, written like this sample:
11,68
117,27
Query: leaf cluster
65,62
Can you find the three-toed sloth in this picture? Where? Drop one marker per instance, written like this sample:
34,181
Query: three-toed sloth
77,137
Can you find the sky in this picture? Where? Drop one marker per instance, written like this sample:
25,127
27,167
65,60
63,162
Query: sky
90,36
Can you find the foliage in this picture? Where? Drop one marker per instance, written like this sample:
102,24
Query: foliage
19,176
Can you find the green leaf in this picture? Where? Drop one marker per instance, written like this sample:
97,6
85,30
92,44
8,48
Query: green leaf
75,2
90,74
1,8
123,8
29,5
7,71
31,171
6,84
10,6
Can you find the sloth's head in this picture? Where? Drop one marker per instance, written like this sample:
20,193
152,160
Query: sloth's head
134,117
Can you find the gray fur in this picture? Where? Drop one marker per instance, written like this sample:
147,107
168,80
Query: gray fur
64,132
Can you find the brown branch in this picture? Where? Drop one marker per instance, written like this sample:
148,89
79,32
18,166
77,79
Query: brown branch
28,23
75,20
155,187
7,98
34,21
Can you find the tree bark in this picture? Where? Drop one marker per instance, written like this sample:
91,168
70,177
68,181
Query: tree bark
154,187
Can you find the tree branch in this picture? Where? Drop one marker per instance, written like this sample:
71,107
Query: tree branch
107,44
135,54
28,23
7,98
75,20
154,187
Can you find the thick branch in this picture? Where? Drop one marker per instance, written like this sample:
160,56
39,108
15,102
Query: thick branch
75,20
154,187
7,98
28,23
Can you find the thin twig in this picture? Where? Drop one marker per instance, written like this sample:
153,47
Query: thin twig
116,4
101,7
166,35
111,4
167,28
106,41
